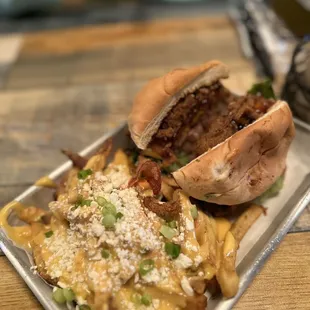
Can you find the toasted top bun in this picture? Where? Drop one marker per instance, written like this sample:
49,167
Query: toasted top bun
245,165
160,95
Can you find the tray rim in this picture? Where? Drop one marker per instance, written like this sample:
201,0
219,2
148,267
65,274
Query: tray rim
245,279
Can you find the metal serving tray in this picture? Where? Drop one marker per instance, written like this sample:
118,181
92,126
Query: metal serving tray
258,244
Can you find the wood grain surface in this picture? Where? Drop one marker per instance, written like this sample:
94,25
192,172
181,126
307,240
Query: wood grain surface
67,88
283,283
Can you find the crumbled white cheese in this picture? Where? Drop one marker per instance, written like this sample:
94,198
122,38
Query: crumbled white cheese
189,224
191,247
152,277
187,287
183,262
198,260
97,229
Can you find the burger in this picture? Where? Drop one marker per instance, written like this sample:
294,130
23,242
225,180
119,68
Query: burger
220,147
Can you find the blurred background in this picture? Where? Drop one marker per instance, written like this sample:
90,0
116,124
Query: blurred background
69,69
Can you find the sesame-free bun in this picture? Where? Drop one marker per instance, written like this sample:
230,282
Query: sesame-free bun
160,95
243,166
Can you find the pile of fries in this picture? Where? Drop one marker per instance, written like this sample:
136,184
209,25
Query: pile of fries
218,235
197,243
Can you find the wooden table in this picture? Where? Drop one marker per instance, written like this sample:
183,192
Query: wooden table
66,88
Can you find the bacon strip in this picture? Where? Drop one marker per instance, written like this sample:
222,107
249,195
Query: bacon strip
150,171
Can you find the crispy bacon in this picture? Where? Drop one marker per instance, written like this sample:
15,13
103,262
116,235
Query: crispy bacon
166,210
77,160
149,171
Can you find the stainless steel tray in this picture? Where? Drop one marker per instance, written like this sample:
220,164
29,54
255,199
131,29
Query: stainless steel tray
258,244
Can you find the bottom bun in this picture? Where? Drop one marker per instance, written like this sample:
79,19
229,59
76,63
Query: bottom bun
245,165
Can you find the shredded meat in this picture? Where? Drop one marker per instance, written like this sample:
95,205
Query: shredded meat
166,210
241,112
150,171
204,119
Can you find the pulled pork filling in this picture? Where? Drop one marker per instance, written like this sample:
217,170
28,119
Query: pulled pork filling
204,119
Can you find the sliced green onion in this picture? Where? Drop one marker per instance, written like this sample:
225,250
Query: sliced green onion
86,202
84,307
172,224
49,234
136,298
58,296
194,212
105,253
101,201
167,231
108,221
82,202
107,206
146,266
146,299
119,215
83,174
69,294
172,249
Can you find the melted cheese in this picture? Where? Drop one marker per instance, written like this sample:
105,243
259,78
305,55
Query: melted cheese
20,235
46,182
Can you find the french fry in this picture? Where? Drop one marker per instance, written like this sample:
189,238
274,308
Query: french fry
67,183
120,158
186,219
245,221
106,148
167,190
198,284
77,160
169,180
222,227
206,236
227,276
96,162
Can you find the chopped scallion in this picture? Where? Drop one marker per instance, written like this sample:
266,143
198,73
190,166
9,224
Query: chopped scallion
82,202
107,206
69,294
105,253
194,212
108,221
136,298
58,296
172,249
119,215
146,266
101,201
83,174
167,231
172,224
146,299
49,234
